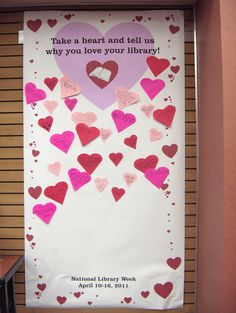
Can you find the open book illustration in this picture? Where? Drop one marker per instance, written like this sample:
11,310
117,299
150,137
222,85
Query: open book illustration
101,73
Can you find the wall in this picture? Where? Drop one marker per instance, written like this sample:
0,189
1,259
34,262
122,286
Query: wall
11,157
217,200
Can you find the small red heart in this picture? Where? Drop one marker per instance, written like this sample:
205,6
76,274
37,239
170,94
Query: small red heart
29,237
35,153
40,276
89,162
61,300
127,299
117,193
131,141
163,290
35,192
31,60
57,192
145,294
102,21
34,25
90,302
51,22
77,294
46,123
170,151
174,29
68,16
174,263
146,164
138,18
41,287
165,116
86,133
167,18
116,157
175,69
51,82
164,186
37,293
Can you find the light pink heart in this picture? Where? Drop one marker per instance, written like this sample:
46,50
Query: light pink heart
33,94
69,88
147,109
45,212
152,87
101,183
122,120
155,134
50,106
63,141
125,97
70,103
129,178
77,178
87,118
157,176
55,168
105,133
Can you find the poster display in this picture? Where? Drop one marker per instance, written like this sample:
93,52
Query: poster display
104,159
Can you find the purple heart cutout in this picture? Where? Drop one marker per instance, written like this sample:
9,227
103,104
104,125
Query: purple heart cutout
131,66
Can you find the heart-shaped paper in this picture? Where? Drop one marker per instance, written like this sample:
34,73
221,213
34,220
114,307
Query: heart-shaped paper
116,158
41,287
101,183
147,109
50,106
152,87
69,88
102,98
170,151
157,66
117,193
144,164
33,94
77,178
125,97
55,168
86,133
122,120
102,74
145,294
157,176
131,141
51,82
62,141
45,212
165,116
87,117
105,133
89,162
61,300
129,178
34,25
46,123
174,263
35,192
57,192
155,134
70,103
163,290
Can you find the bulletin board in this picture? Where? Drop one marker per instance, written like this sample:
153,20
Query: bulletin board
12,212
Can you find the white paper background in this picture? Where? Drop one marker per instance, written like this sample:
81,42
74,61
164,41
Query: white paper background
91,234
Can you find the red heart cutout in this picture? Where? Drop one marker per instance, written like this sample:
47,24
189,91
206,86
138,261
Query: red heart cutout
131,141
175,69
35,192
35,153
164,186
89,162
41,287
77,294
86,133
127,299
174,263
51,22
157,66
68,16
29,237
116,157
117,193
61,300
57,192
138,18
111,66
165,116
146,164
163,290
46,123
34,25
51,82
170,151
145,294
174,29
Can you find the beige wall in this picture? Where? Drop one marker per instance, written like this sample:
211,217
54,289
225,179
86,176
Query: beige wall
217,193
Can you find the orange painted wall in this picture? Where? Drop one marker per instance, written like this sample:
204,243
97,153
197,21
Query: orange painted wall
216,40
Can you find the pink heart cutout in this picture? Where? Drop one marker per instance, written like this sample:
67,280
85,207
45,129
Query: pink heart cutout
152,87
125,97
122,120
33,94
77,178
63,141
70,103
50,106
101,183
147,109
155,134
105,133
55,168
157,176
45,212
69,88
129,178
87,118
